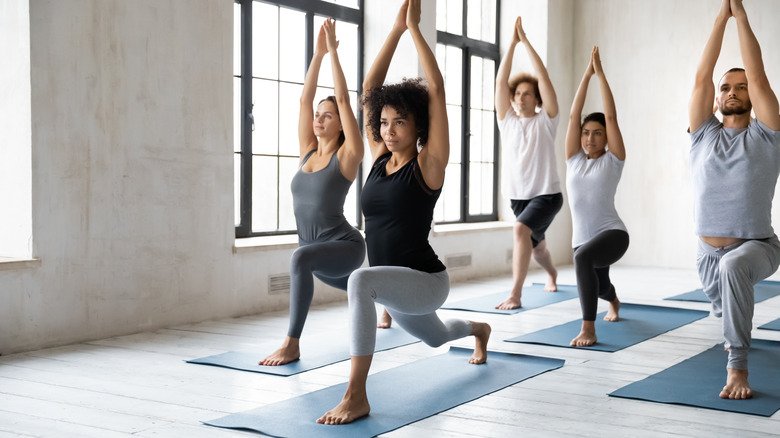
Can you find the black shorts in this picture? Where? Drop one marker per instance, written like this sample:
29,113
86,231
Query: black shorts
537,213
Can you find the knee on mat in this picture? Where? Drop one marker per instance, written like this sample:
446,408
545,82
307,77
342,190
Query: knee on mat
433,341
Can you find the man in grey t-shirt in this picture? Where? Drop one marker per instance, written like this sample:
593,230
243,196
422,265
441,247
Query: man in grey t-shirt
735,165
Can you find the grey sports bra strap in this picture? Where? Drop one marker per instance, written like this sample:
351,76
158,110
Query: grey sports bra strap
308,154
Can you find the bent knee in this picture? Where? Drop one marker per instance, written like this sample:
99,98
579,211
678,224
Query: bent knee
360,281
733,266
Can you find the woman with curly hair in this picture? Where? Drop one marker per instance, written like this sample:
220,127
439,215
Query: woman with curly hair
405,274
331,151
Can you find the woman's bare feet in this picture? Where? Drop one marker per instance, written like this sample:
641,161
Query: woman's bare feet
386,321
481,332
513,302
737,386
587,336
348,410
290,351
613,314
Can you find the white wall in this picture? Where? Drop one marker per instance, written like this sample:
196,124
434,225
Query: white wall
650,51
132,175
15,167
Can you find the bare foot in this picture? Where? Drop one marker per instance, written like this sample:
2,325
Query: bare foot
386,320
481,332
552,282
347,411
737,386
613,314
289,352
587,336
513,302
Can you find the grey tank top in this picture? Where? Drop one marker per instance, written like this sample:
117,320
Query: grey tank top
592,185
734,176
318,202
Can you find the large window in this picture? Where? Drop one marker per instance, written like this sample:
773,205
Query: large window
273,44
467,52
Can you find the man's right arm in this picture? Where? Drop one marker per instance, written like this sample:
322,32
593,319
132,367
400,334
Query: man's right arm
703,96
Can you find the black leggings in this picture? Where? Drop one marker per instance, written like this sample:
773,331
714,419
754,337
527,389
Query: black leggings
591,263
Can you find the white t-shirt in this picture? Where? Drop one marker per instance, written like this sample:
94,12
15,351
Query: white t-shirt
592,185
528,155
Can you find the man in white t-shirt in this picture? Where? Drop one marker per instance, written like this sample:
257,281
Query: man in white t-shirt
529,169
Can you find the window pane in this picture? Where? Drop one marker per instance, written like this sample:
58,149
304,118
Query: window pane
488,10
474,19
488,135
265,40
287,169
265,137
488,83
487,188
456,133
264,193
480,188
476,82
475,135
236,114
450,61
237,187
348,3
289,95
454,13
348,53
448,207
292,51
236,39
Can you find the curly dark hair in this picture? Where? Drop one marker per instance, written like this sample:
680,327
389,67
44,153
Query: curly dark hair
408,97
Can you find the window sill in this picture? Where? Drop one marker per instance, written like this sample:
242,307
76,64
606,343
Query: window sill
469,228
10,263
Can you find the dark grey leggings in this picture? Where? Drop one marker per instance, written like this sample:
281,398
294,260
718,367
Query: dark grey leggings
591,264
331,262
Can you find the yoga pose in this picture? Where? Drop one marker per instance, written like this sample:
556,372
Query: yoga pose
331,151
398,199
530,177
735,164
594,160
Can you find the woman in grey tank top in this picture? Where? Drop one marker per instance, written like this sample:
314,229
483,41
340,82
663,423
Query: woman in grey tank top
331,150
599,237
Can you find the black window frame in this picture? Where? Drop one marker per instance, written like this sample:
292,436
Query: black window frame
310,8
473,47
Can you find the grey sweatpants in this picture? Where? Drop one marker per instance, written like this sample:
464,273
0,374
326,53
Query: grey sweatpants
410,296
728,275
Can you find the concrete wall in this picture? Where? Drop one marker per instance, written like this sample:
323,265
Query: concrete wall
15,165
132,173
650,51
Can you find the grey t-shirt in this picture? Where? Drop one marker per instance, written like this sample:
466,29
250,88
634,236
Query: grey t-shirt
734,176
591,185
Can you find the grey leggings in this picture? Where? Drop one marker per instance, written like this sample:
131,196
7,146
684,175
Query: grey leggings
410,296
728,275
331,262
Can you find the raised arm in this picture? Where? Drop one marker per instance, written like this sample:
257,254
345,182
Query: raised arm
575,129
614,137
306,138
546,89
762,97
378,71
503,98
700,107
351,152
434,156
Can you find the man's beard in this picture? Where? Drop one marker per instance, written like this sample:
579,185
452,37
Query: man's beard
736,111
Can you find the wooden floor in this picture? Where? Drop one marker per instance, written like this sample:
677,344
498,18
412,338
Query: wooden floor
139,385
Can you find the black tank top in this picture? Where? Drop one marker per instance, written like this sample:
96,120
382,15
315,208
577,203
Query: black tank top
399,210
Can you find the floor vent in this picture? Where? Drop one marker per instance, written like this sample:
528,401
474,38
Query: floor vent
279,284
458,261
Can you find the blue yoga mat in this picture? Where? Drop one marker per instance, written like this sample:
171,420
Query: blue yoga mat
771,325
763,290
533,297
697,382
315,353
637,323
398,396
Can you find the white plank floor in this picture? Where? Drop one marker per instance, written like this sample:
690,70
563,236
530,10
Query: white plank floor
139,385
